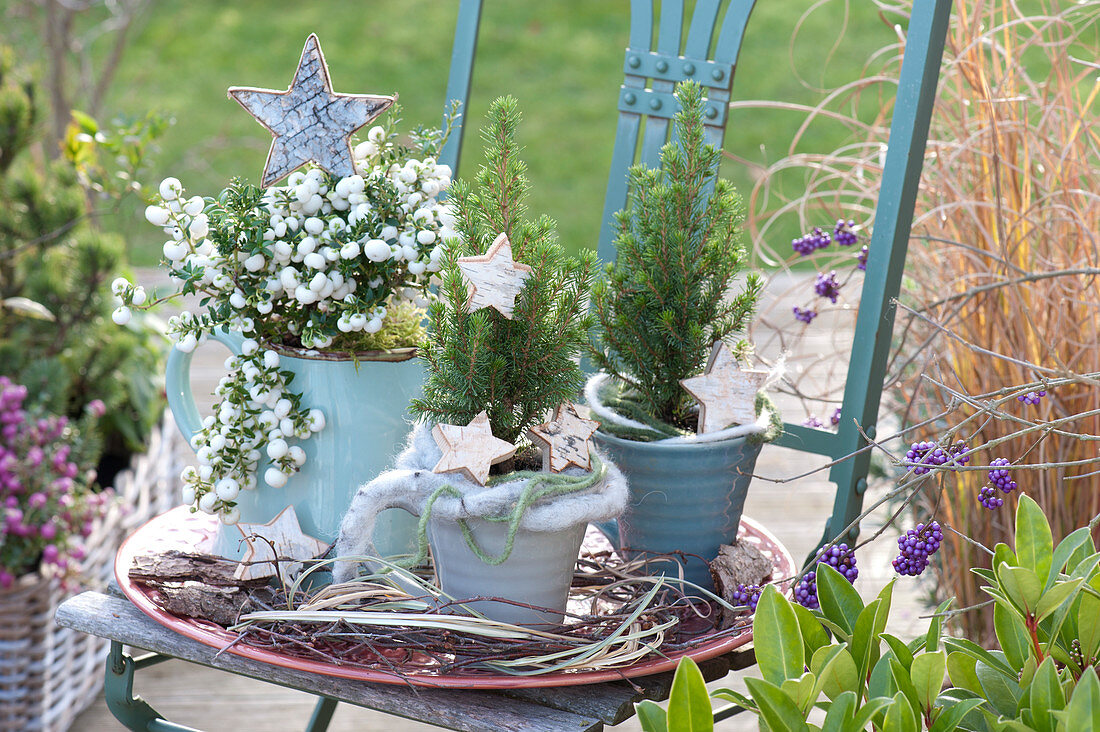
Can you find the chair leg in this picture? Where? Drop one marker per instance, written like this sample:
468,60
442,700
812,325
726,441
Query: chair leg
322,715
118,689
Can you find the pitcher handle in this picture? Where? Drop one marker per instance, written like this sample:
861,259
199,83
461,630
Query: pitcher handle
610,529
177,380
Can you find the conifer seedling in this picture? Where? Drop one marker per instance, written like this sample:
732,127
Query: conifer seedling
514,368
666,298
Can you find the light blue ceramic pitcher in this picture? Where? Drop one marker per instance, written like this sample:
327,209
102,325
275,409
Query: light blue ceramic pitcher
365,406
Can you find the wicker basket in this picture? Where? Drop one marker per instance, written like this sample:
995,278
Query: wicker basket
49,674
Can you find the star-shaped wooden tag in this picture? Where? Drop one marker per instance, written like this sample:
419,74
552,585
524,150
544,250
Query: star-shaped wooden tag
310,122
494,279
470,450
280,538
564,439
726,393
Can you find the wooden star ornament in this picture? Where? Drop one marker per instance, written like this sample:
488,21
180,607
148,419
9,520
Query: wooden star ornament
310,122
470,449
565,439
281,538
494,279
726,392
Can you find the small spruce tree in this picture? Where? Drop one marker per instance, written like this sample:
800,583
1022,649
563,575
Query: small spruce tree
666,298
519,369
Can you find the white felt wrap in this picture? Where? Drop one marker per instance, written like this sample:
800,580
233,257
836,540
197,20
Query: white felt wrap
412,482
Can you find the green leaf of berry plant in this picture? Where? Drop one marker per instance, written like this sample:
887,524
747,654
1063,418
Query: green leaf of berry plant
651,716
689,703
1034,543
778,710
927,673
839,601
1083,710
780,651
1066,550
1021,586
1046,696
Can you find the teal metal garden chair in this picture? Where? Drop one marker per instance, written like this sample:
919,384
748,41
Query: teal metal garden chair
652,64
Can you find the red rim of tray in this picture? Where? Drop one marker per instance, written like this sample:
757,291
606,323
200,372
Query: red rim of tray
181,529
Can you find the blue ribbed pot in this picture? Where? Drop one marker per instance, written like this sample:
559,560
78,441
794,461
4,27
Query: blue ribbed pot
685,497
365,405
538,572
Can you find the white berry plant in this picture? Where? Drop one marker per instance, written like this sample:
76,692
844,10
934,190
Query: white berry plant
318,264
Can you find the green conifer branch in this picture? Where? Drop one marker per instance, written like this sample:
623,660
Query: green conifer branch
666,298
515,369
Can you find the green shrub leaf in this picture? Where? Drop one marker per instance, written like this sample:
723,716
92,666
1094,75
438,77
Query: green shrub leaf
1066,550
840,711
1001,691
927,672
900,716
651,716
689,703
1034,543
1021,586
1046,696
779,711
1083,710
836,671
780,651
865,643
935,627
1053,598
813,634
1012,635
960,669
839,601
953,715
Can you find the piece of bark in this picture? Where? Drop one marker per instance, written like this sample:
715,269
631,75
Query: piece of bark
738,564
221,605
177,566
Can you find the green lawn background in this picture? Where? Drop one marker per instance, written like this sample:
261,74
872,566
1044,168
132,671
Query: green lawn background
561,59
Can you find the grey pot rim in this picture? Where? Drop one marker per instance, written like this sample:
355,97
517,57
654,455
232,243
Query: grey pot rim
670,447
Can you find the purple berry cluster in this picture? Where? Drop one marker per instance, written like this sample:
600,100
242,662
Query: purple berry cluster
747,595
46,500
806,316
988,497
861,259
844,233
809,243
827,285
812,421
925,455
840,558
1032,397
999,475
834,419
915,547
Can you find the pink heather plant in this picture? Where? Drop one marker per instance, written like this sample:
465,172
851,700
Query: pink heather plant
48,504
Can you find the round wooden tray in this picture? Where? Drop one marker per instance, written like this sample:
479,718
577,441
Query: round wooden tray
193,532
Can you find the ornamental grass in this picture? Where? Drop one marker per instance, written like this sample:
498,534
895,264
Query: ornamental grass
1001,299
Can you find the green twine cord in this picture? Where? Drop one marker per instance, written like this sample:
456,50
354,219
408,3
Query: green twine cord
539,485
618,399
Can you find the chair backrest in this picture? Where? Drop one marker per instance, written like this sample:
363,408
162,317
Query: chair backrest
653,63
